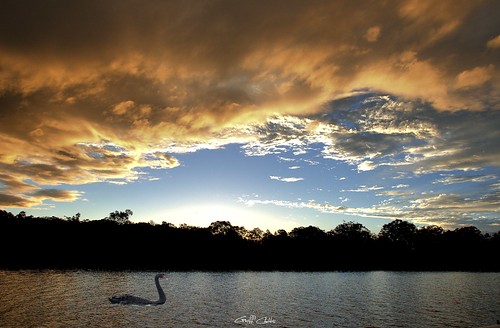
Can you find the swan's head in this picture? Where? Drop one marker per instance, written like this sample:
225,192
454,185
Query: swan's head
161,276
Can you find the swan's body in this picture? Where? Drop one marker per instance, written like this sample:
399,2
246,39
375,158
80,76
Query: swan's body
135,300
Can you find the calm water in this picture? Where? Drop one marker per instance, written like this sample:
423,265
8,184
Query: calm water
251,299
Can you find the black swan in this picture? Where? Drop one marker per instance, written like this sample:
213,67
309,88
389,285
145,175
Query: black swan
131,299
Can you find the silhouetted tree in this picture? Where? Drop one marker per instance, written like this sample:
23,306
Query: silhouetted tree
396,240
167,224
21,215
74,218
351,246
255,234
351,231
399,232
465,248
186,226
225,229
307,233
431,232
281,233
429,237
220,227
120,217
308,245
4,216
468,234
430,248
241,231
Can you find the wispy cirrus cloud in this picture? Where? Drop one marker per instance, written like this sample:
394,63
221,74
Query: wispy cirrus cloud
447,210
452,179
364,189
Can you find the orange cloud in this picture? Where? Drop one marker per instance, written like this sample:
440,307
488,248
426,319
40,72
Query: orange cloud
475,77
373,33
494,43
406,75
91,91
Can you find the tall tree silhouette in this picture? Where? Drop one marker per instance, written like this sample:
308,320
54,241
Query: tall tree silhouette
397,244
351,231
120,217
309,245
399,232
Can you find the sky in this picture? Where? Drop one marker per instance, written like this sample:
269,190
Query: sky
269,114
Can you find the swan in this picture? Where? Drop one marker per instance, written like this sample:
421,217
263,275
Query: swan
126,299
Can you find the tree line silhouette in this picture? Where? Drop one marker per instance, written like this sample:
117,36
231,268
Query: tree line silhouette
114,243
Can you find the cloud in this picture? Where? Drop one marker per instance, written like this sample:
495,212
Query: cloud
453,209
83,163
161,160
378,211
94,91
55,194
325,208
364,189
404,140
38,197
372,34
379,131
494,43
383,131
447,210
14,201
289,179
450,179
475,77
123,107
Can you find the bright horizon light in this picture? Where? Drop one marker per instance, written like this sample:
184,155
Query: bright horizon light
202,215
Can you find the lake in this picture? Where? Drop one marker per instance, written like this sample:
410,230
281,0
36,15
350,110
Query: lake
251,299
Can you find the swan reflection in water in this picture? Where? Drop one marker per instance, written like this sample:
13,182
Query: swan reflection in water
127,299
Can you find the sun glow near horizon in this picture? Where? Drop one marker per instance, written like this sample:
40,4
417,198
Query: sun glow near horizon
203,214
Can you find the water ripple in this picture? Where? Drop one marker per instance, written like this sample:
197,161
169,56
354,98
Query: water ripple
286,299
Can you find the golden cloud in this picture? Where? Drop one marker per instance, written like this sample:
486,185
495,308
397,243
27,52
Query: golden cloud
475,77
90,91
494,43
372,34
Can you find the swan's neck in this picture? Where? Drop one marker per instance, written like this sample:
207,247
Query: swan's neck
161,294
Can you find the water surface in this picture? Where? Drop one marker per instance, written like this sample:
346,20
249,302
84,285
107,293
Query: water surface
251,299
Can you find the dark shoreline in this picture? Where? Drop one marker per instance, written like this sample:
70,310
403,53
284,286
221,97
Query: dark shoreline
106,245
